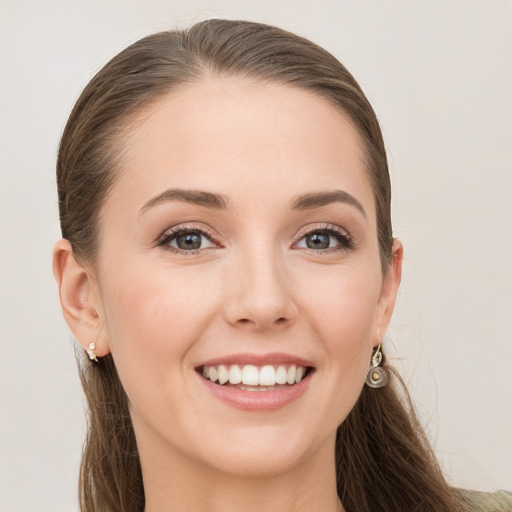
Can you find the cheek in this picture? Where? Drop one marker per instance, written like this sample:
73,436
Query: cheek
342,310
152,321
344,303
153,305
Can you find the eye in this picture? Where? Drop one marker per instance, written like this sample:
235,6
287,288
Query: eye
189,240
325,238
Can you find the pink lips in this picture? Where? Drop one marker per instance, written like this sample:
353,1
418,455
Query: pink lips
257,401
257,360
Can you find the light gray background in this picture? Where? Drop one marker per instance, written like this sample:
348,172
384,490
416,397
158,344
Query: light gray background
439,75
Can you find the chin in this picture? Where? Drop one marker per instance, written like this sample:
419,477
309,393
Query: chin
258,465
261,452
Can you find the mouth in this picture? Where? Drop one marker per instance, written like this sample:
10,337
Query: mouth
256,382
251,377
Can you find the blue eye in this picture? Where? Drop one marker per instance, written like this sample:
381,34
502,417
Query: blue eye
187,240
319,241
325,239
191,240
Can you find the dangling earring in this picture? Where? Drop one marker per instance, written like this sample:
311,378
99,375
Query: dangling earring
377,377
90,351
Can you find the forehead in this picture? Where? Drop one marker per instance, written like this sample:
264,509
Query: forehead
222,133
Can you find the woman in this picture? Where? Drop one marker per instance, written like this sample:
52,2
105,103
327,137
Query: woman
228,264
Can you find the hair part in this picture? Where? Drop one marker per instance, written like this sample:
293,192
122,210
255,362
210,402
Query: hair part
383,460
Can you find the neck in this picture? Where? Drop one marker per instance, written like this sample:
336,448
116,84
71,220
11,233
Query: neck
172,481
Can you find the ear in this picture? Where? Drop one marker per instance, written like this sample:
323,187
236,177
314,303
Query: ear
390,284
80,298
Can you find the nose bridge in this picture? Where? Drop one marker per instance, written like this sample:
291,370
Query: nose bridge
260,291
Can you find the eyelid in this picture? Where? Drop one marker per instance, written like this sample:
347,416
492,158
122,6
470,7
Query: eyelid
344,238
186,227
175,231
346,243
322,227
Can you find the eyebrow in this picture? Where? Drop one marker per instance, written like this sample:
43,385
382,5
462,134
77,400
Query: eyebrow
199,197
318,199
220,202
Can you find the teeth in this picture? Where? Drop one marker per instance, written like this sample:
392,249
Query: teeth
267,376
281,375
222,372
290,376
249,376
235,374
257,388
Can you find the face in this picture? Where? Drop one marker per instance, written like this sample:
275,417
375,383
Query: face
240,233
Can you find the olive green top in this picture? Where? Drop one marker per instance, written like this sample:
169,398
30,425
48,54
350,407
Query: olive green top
500,501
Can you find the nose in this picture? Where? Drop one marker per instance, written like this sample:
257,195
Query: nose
260,295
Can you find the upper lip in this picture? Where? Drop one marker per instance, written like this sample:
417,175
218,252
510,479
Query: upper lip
257,360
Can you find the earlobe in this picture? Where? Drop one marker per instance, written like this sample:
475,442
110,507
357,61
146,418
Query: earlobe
390,284
79,298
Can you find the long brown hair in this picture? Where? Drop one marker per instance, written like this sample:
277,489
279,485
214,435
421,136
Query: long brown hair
383,460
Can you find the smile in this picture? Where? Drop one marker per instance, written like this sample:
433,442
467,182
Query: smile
255,378
280,379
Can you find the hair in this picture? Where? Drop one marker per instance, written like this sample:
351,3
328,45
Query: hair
383,459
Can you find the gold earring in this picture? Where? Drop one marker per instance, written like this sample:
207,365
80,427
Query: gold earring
91,351
377,377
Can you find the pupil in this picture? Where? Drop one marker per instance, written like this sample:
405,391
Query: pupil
189,241
318,241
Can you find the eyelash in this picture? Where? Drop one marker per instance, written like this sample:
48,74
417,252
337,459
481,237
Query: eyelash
344,239
346,243
173,233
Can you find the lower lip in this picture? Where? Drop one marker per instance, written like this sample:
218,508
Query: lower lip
258,401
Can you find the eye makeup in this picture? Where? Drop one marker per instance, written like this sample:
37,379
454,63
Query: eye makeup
190,239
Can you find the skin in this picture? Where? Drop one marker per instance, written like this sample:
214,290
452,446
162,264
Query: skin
254,287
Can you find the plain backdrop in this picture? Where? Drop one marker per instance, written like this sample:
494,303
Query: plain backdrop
439,74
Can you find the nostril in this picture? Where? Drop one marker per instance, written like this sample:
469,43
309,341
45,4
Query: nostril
245,321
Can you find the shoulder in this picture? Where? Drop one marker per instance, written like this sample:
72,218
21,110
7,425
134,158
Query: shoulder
500,501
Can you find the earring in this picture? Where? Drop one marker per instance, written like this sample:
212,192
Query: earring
377,377
90,351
